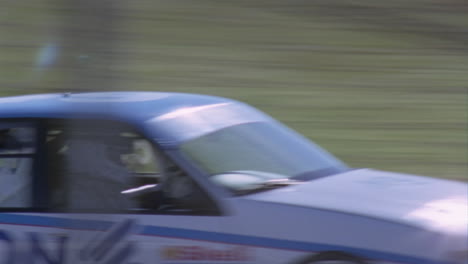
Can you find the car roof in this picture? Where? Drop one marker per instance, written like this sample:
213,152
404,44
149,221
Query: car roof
169,118
131,107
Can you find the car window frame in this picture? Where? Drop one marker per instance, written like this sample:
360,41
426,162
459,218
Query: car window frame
38,191
45,124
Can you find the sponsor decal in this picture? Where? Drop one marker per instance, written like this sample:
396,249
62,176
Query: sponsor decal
205,253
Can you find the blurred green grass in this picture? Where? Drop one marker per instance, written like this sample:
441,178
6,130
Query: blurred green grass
379,84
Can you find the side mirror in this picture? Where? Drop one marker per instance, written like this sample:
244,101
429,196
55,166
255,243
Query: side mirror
244,181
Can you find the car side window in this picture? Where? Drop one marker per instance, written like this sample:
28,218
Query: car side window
17,149
109,167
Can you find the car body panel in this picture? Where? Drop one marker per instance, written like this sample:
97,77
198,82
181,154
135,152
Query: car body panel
414,200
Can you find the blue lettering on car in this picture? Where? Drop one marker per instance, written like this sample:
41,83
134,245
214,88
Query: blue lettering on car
105,244
6,242
54,256
109,247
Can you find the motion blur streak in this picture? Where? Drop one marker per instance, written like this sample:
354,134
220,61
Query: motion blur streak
378,83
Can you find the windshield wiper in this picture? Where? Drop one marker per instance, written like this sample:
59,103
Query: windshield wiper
268,185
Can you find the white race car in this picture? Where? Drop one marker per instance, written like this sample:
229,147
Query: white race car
144,177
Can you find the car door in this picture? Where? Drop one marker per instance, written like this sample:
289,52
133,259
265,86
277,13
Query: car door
122,200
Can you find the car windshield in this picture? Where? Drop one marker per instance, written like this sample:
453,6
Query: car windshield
261,147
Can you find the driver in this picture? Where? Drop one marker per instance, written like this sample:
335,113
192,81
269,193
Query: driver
178,190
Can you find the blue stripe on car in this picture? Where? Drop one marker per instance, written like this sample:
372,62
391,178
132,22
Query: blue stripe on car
208,236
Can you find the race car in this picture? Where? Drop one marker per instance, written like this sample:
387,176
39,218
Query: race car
172,178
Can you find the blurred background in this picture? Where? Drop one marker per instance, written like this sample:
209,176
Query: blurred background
380,84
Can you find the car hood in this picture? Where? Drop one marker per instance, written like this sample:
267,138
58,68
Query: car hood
422,201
